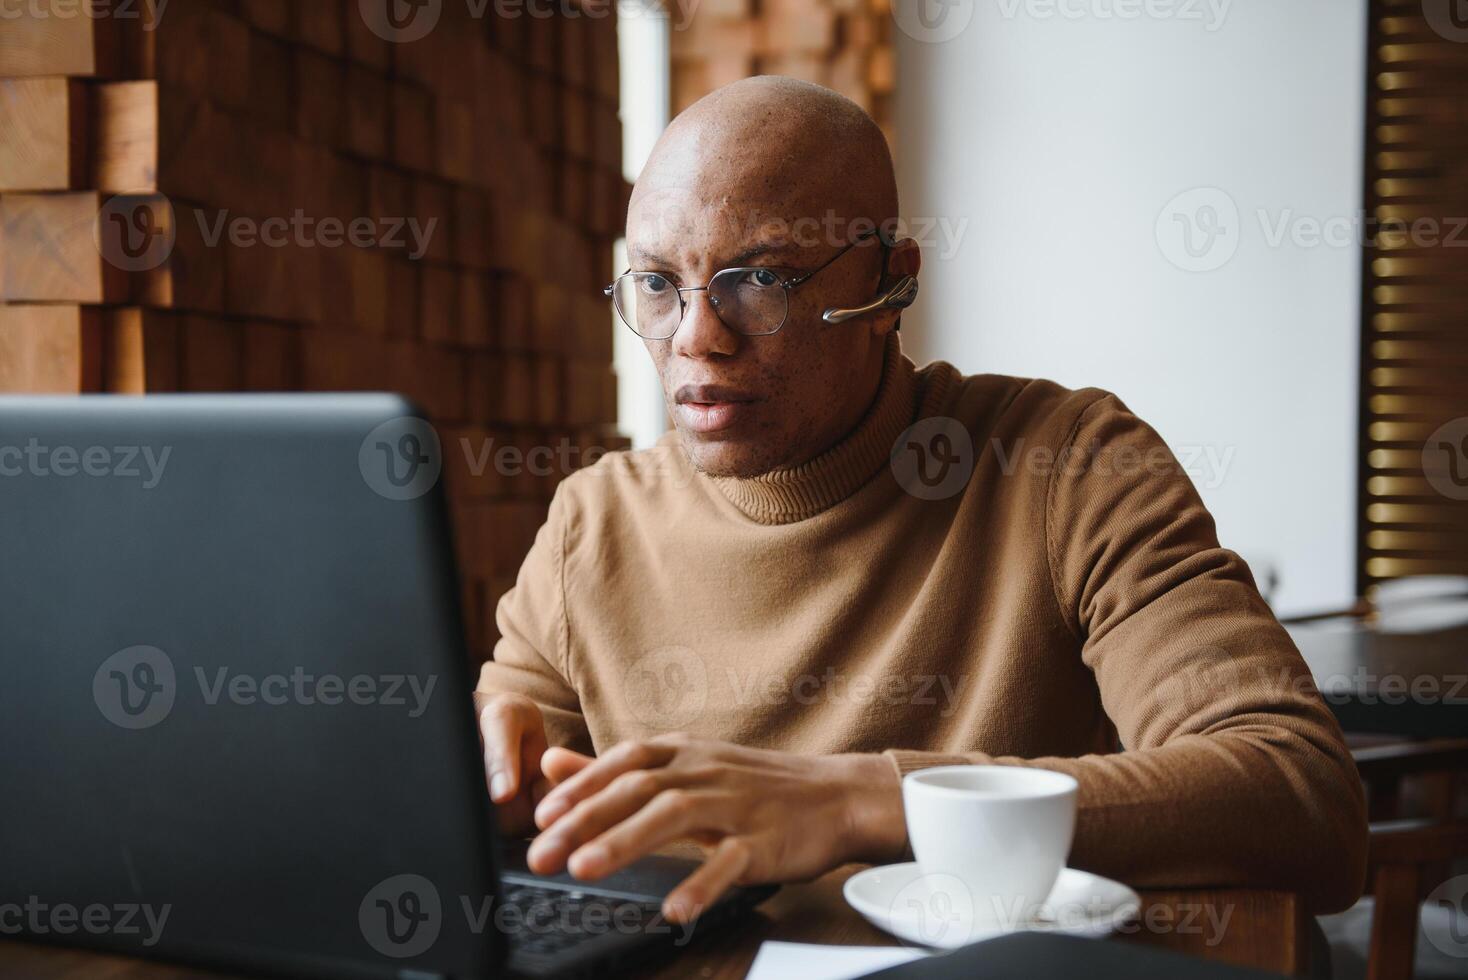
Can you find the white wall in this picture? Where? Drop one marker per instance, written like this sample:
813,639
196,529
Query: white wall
642,40
1062,134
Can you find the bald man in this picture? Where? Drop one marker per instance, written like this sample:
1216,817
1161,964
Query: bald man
841,568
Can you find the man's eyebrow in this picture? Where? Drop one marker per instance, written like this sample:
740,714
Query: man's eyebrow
639,257
755,251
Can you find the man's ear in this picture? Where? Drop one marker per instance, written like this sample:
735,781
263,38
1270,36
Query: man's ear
904,258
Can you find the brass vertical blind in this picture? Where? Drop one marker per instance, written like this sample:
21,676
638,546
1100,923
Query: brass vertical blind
1413,502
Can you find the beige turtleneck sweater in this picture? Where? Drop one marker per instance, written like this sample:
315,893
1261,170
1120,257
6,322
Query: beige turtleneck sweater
1068,606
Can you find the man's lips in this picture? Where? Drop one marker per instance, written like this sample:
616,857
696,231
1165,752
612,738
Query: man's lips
712,408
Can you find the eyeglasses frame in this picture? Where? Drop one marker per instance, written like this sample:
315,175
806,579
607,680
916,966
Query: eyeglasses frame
789,285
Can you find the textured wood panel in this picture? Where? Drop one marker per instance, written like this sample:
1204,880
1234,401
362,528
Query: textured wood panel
842,44
1414,336
262,195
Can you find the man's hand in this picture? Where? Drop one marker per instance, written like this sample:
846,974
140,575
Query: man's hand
512,730
765,816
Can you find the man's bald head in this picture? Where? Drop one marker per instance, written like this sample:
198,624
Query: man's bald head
782,175
774,140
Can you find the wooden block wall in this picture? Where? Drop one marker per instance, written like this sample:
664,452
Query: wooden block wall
130,155
845,45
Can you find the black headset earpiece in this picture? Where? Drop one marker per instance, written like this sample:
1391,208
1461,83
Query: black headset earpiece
899,297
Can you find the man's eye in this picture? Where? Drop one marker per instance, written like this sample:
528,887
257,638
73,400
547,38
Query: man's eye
655,284
761,277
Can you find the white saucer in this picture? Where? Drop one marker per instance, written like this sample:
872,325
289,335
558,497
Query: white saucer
937,910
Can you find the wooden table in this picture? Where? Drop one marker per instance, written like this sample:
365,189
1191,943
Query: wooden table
1263,929
1411,684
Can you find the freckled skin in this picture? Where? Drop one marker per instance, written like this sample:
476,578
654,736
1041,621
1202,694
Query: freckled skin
771,160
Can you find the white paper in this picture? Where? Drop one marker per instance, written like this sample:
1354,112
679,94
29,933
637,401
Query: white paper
803,961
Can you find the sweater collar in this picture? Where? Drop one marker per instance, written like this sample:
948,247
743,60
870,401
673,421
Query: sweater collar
788,495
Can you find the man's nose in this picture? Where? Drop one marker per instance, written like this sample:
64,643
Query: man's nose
702,333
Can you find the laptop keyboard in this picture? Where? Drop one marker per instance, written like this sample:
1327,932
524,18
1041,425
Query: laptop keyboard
557,919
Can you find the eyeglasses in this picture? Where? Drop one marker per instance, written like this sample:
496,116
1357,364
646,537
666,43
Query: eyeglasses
749,300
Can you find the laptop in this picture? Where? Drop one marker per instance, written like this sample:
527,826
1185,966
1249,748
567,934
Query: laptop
236,709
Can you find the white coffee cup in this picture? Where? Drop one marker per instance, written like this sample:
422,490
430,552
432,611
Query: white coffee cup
1002,833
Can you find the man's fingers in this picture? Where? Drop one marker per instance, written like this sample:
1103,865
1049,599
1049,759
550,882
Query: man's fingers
560,764
532,747
672,814
627,794
537,793
721,871
595,777
502,724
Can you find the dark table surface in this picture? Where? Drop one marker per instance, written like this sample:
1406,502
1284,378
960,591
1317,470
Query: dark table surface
1262,929
1413,684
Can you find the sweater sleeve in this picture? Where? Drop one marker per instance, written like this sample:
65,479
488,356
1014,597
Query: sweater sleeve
1233,772
531,655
